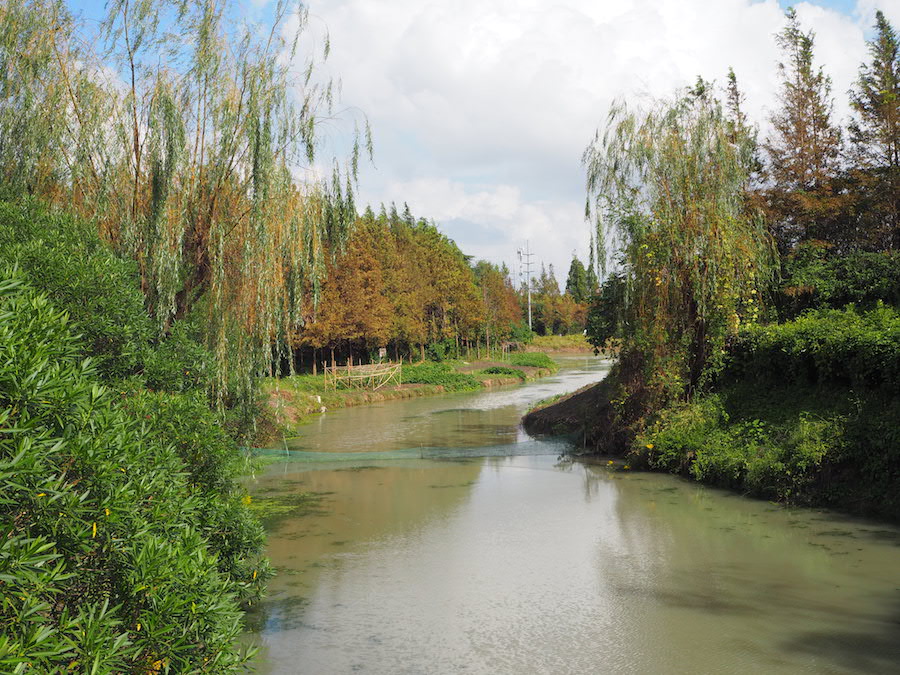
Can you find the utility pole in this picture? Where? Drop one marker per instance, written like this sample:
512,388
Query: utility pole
525,262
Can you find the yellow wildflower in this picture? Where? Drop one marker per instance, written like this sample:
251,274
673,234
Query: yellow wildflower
94,530
649,446
42,494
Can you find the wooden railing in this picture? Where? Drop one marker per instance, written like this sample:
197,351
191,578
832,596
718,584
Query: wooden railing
369,376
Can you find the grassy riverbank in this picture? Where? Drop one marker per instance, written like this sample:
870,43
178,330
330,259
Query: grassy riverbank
575,343
806,412
293,401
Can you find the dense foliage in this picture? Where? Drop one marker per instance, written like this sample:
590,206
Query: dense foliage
858,349
821,444
667,187
178,129
122,517
813,278
64,257
126,545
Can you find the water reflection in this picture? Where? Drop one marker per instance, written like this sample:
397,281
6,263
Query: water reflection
521,564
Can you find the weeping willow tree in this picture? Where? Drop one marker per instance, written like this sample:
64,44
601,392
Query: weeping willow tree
666,192
193,141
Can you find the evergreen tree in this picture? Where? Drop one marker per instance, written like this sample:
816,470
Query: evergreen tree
577,281
875,133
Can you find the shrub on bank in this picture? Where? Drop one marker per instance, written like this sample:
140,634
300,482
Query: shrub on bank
442,374
838,346
125,544
504,370
63,257
820,445
532,360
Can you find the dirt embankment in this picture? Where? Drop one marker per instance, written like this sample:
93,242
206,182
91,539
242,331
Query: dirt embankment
586,413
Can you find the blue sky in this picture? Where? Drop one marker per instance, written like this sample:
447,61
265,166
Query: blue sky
481,109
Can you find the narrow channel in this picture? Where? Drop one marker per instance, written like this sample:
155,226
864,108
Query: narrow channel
432,536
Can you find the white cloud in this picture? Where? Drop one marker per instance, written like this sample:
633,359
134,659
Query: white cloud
494,219
481,108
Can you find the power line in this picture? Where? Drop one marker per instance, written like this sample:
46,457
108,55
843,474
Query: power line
525,262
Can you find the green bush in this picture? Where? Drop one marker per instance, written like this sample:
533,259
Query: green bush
840,346
522,333
125,545
62,256
532,360
782,461
815,280
180,362
441,374
440,350
504,370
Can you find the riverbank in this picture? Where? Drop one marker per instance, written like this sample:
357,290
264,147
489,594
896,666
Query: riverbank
560,344
362,546
292,402
805,413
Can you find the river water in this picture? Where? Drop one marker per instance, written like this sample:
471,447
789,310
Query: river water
474,549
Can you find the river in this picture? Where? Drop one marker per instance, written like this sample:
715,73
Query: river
475,549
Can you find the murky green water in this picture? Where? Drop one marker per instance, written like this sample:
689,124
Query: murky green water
525,564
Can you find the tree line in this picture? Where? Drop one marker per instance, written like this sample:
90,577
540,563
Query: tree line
704,230
401,285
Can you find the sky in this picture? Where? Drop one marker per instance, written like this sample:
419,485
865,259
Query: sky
481,109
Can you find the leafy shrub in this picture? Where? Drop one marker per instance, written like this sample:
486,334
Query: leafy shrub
522,333
441,374
504,370
841,346
775,461
532,360
63,257
125,544
440,350
180,362
813,280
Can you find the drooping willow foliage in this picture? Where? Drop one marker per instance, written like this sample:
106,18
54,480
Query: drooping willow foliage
666,191
191,139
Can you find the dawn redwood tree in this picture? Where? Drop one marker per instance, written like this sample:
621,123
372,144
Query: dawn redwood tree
804,147
501,310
